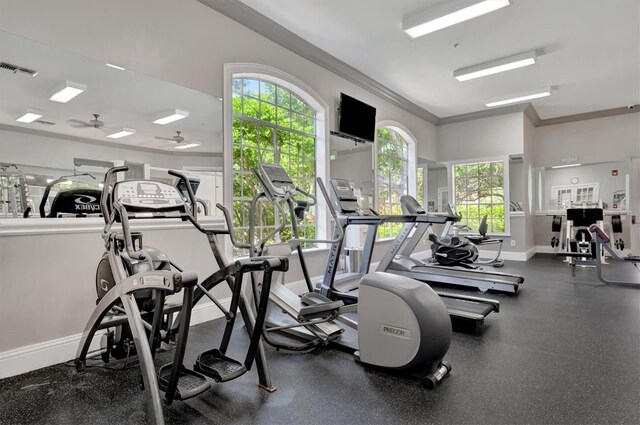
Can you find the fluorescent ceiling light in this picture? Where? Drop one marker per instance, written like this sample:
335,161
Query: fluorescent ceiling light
30,116
110,65
448,13
518,97
172,116
67,92
188,145
496,66
566,166
125,132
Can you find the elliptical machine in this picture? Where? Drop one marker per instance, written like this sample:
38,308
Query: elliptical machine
134,280
402,325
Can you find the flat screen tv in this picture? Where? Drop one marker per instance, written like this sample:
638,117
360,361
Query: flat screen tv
357,119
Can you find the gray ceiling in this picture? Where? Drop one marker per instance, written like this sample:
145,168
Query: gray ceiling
589,50
122,98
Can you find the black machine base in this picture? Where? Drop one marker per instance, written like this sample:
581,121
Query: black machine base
219,367
190,383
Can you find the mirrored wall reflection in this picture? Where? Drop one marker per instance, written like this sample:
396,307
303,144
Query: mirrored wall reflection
354,162
437,186
586,185
65,118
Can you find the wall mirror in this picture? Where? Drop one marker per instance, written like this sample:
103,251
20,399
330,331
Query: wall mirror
354,162
603,184
437,186
64,114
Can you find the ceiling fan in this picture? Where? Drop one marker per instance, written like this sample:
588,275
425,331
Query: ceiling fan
95,122
176,139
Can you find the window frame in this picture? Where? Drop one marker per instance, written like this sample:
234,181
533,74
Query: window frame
410,139
505,185
305,93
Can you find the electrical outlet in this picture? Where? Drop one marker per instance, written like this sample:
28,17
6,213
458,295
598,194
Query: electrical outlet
513,243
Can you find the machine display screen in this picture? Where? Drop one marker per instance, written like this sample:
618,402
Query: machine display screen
148,187
276,173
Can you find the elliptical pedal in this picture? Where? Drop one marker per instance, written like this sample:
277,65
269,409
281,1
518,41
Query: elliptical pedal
219,367
190,383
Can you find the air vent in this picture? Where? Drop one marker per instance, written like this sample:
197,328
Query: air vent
45,122
18,69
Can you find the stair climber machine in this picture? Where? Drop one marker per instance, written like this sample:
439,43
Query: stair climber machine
346,286
133,282
404,264
402,326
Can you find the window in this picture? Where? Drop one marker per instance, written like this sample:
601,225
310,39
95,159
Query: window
479,190
270,124
576,195
393,178
420,175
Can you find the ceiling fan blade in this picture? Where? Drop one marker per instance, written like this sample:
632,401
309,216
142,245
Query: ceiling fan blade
164,138
79,124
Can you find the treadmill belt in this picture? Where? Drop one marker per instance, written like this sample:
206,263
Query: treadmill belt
468,306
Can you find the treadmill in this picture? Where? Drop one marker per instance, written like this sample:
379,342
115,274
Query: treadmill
398,259
344,286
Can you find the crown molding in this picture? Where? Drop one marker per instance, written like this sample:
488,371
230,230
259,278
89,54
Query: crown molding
590,115
268,28
59,136
275,32
493,112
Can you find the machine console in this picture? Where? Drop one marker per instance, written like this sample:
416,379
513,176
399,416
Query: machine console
411,206
148,196
278,181
345,197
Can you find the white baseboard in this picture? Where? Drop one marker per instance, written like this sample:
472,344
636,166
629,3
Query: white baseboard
545,249
37,356
510,255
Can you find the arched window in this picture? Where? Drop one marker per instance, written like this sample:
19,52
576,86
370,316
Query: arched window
393,176
270,124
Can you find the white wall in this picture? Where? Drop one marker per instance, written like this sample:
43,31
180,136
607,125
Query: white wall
355,166
596,140
591,141
527,157
481,138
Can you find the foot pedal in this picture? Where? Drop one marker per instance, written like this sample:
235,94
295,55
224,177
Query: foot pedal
317,306
190,383
219,367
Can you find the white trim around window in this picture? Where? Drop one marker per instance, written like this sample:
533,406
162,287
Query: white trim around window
505,162
308,95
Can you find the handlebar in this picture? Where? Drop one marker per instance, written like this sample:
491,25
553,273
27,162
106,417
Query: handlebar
227,218
105,191
192,196
45,195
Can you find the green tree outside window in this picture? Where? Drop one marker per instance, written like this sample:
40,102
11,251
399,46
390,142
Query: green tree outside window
478,190
270,124
393,178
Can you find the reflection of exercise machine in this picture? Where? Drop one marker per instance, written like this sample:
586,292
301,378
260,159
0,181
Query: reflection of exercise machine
602,242
399,258
133,281
402,326
580,246
78,202
14,192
